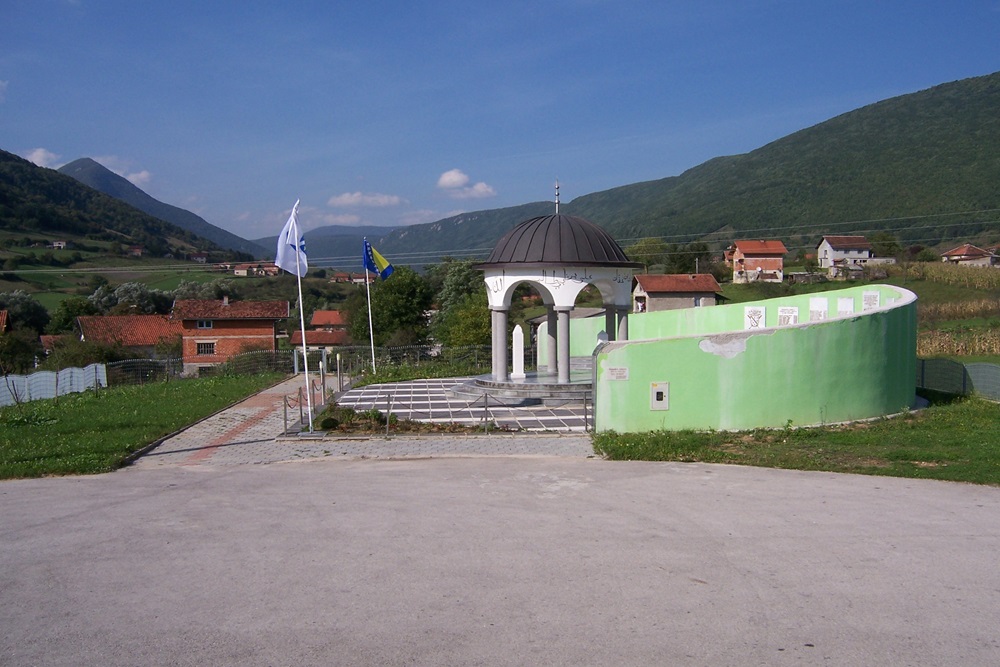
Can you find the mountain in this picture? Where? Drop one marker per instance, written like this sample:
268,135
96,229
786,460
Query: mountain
335,245
38,200
910,165
100,178
467,234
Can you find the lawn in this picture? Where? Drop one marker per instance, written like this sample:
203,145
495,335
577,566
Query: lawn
956,440
94,432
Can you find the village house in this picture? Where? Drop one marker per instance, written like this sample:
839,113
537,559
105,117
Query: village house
319,340
258,269
759,260
970,255
135,251
214,331
839,251
654,292
328,320
199,257
59,245
140,334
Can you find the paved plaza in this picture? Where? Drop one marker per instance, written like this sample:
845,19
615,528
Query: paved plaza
252,431
500,549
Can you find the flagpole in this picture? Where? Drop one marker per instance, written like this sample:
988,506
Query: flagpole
302,322
371,329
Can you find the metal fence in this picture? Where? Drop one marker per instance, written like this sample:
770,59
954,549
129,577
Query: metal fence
953,377
51,384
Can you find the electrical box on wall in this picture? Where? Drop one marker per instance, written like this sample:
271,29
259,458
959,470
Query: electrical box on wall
659,396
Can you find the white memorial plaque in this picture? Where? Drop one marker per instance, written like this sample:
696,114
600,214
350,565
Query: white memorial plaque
818,307
870,301
753,317
617,373
845,306
788,315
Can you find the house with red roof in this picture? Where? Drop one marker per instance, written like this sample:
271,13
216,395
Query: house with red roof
758,260
212,331
138,333
328,320
654,292
970,255
317,340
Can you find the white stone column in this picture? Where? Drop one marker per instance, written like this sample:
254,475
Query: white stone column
517,354
622,323
500,331
562,334
551,336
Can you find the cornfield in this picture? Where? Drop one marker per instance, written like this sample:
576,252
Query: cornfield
978,277
964,310
980,342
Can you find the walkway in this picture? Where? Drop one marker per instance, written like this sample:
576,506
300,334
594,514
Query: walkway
251,431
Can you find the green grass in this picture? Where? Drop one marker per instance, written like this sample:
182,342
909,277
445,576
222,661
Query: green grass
957,441
94,432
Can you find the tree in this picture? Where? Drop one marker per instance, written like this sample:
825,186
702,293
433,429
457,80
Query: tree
692,258
399,307
18,350
648,251
64,318
885,244
24,311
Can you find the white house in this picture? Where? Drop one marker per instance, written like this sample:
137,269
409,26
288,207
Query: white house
836,251
970,255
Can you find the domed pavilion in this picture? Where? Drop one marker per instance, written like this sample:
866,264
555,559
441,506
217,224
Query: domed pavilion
558,255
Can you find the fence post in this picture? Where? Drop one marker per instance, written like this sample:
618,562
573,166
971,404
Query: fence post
284,415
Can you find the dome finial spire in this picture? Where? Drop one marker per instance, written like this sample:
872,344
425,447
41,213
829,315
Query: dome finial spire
557,196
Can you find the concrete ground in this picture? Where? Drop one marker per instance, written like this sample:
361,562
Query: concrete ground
485,559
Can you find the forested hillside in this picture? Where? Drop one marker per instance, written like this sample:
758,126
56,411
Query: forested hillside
923,167
38,200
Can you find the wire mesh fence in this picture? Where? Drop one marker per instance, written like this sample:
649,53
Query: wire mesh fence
953,377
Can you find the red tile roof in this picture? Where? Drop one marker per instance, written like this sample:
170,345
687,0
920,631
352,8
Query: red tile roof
128,330
4,320
967,250
320,338
771,247
848,242
49,341
197,309
328,318
677,282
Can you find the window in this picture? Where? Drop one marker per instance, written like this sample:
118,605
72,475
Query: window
206,348
204,324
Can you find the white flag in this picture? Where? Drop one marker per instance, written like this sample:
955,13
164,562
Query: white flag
292,246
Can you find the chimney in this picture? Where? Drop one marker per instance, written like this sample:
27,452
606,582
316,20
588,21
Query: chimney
225,301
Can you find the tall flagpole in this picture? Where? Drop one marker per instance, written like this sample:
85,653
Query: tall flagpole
302,322
371,329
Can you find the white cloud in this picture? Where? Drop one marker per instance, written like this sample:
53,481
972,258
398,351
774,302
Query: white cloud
348,219
122,167
454,178
372,199
139,178
43,158
477,191
3,91
455,184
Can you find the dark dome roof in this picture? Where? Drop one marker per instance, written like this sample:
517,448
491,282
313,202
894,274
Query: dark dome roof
558,239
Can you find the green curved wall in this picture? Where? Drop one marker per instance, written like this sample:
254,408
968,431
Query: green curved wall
718,375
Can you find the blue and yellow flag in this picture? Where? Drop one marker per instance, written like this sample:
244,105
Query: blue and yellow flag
375,262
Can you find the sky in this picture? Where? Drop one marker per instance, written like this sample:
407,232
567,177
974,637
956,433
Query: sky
394,112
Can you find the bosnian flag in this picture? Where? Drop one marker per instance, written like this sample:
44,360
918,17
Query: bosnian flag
375,262
292,246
